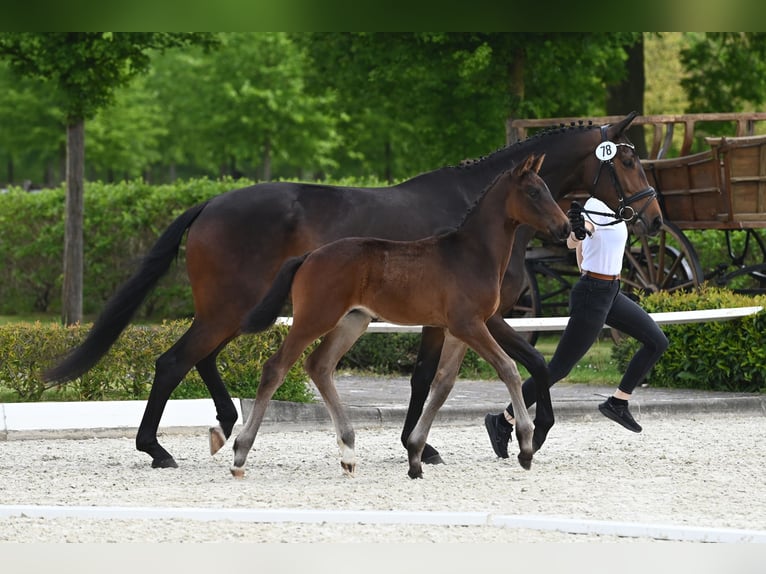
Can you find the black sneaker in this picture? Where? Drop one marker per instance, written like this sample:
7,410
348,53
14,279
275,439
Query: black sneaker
619,413
500,433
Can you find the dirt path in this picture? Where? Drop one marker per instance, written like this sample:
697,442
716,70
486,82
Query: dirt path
686,471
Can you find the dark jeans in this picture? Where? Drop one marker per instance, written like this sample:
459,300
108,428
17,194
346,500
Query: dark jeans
593,303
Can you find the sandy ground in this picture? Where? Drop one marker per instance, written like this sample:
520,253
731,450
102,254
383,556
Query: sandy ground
687,471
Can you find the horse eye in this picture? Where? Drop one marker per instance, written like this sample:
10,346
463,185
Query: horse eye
533,192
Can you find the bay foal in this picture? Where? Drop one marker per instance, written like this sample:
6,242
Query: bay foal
450,281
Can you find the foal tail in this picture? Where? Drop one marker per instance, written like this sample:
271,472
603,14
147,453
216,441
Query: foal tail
265,313
120,309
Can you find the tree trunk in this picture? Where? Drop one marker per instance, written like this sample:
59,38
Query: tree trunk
71,297
627,96
516,91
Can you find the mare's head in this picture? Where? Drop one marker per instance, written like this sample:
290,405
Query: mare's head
530,201
619,179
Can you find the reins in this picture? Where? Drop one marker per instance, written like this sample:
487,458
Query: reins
606,151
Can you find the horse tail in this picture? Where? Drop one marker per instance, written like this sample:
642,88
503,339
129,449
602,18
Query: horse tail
120,309
265,313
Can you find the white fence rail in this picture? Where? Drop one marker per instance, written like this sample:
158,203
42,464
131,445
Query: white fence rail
560,323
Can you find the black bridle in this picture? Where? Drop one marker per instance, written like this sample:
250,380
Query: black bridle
625,212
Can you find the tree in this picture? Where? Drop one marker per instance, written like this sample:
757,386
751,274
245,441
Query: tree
32,137
83,69
414,101
726,71
628,95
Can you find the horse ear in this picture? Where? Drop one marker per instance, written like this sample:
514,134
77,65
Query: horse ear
615,130
539,163
529,163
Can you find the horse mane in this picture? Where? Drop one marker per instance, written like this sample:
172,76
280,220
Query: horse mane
573,127
479,199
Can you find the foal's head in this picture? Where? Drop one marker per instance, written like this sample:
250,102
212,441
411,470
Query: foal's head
530,201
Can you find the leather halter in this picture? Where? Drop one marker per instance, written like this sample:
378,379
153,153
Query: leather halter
625,212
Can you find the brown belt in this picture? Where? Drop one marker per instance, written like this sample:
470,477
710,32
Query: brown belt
602,276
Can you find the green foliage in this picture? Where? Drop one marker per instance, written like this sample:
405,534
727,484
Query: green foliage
714,355
85,68
397,354
126,371
122,222
726,71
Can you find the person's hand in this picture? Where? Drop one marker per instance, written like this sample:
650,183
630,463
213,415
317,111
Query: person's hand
577,221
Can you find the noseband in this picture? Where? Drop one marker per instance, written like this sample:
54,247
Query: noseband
606,151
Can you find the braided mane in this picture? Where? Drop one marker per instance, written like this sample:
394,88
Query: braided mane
554,130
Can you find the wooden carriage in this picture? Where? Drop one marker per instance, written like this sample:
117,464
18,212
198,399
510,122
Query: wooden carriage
705,181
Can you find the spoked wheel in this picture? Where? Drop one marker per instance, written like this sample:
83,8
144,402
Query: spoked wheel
747,257
664,262
528,304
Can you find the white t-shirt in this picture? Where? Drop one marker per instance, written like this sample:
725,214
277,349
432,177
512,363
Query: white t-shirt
602,252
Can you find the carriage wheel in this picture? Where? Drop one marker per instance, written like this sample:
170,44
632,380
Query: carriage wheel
528,304
665,262
747,262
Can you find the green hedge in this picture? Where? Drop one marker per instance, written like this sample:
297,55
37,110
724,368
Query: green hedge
121,222
714,355
127,370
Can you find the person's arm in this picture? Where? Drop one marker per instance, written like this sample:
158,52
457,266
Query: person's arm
576,244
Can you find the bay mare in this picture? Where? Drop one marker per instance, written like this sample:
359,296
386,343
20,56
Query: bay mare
450,281
237,242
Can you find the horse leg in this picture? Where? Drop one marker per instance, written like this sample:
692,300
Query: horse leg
320,366
519,349
170,369
272,376
477,336
452,355
431,341
226,412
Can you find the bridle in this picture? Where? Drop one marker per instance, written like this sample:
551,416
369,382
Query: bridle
625,212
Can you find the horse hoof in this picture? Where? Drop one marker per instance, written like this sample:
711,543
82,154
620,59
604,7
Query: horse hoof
431,455
433,459
348,468
525,462
164,463
217,439
415,473
237,472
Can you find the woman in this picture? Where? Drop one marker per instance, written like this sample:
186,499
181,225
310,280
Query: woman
594,300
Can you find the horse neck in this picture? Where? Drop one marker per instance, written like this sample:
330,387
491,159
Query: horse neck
565,150
487,228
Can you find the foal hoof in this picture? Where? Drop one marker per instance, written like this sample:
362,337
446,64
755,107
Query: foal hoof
217,439
168,462
237,472
348,468
525,462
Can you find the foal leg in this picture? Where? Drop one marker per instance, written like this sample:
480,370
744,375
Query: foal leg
273,375
452,355
477,336
320,366
430,351
519,349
